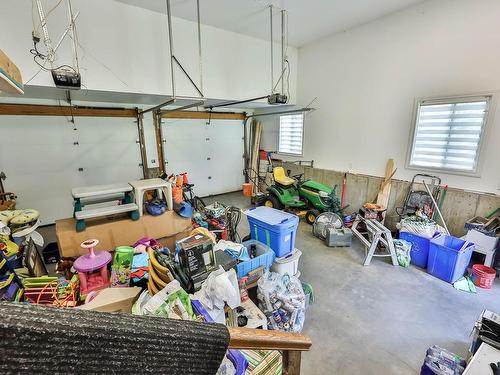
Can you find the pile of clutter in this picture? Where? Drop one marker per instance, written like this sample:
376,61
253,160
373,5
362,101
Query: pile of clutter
211,276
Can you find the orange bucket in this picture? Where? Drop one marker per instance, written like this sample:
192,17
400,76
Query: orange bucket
177,194
247,190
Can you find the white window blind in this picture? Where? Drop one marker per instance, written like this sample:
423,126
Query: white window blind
448,134
291,134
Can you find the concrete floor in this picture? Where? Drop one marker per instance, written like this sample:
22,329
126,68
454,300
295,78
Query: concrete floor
377,319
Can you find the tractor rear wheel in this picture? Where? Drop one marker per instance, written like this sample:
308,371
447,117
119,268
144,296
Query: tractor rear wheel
311,216
273,202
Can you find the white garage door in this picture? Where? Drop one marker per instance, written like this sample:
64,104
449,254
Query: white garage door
211,154
44,158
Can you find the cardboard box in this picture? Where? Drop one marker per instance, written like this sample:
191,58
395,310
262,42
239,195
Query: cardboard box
167,227
483,242
197,255
113,300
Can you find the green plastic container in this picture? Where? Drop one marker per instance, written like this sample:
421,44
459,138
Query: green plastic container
122,266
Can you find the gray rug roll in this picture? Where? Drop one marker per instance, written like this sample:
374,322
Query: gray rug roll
43,340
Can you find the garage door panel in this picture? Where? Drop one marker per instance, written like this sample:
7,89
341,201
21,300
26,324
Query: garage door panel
48,169
106,130
226,150
98,155
40,158
30,130
211,154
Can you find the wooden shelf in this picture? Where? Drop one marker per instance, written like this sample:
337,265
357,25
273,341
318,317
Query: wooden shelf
10,76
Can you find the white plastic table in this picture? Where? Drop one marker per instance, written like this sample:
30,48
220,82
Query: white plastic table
161,186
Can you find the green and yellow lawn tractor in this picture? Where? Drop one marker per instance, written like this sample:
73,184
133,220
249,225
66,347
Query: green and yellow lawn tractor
305,198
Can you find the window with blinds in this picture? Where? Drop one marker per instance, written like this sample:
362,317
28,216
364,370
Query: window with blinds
448,134
291,134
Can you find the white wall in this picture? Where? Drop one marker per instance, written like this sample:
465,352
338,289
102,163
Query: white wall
125,49
367,79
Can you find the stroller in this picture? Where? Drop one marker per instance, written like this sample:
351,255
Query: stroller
420,199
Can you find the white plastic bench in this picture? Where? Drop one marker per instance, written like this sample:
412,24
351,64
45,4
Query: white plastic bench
99,190
105,211
103,194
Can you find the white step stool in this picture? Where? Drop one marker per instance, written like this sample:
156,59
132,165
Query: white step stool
102,194
161,186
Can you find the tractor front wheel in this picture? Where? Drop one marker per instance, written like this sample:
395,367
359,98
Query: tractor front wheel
311,216
273,202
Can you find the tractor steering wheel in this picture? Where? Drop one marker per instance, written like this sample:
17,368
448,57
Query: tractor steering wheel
298,177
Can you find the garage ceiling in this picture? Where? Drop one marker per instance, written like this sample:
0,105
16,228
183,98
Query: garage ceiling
308,19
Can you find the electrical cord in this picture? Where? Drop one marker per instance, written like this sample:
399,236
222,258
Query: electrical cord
232,218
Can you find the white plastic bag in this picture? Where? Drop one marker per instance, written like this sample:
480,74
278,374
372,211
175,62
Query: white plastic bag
282,300
219,288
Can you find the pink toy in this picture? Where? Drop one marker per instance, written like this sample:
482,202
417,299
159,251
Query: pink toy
92,268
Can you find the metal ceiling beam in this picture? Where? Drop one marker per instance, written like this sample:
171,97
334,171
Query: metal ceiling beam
291,111
227,104
173,58
158,107
187,106
272,49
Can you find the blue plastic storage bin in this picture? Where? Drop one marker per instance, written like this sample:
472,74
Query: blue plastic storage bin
264,257
275,228
419,247
446,261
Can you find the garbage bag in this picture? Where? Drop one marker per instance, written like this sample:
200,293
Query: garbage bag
282,299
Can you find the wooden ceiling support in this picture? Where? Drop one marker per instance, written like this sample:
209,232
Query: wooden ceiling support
54,110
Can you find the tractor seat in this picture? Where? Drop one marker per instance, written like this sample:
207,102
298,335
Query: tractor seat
281,178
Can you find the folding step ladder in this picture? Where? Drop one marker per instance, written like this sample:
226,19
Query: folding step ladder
379,235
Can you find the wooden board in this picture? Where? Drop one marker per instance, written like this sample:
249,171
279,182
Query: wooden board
385,189
10,76
54,110
247,338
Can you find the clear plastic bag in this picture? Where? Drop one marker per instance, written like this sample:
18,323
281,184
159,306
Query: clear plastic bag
403,252
418,225
282,300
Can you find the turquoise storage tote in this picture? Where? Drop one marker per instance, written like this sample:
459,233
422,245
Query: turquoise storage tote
275,228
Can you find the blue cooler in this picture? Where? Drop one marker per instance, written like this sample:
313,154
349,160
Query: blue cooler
275,228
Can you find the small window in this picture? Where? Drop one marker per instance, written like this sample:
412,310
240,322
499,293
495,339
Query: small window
448,134
291,134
